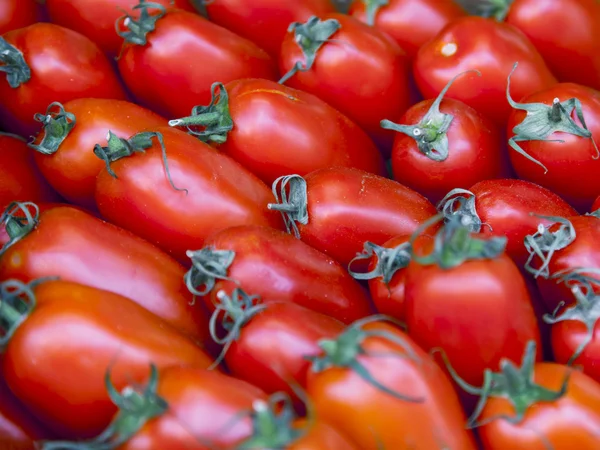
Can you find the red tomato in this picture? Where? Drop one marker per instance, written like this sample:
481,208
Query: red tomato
490,47
553,133
69,243
337,210
19,178
17,14
375,385
596,205
177,195
69,133
444,144
265,22
411,23
65,336
96,18
314,135
171,58
277,267
355,68
51,64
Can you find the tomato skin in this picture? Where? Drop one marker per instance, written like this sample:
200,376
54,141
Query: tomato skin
172,79
64,65
17,14
567,336
265,22
596,205
363,74
494,51
321,436
78,247
411,23
575,159
87,331
569,422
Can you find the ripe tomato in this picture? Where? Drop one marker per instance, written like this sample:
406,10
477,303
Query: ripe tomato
490,47
444,144
82,332
411,23
337,210
69,243
596,205
178,190
277,267
265,22
171,58
554,134
357,69
375,385
69,133
48,64
246,111
17,14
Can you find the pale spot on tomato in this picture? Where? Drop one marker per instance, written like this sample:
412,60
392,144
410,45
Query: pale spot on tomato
16,260
449,49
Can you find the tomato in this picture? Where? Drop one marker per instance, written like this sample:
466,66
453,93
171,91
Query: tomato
553,133
411,23
63,337
96,18
337,210
505,207
265,22
277,267
69,243
489,47
596,205
178,191
171,58
444,144
50,63
375,385
69,133
314,135
17,14
357,69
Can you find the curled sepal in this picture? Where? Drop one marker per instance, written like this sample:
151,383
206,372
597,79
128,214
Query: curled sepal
460,202
389,261
208,266
13,64
136,408
542,121
117,148
137,29
214,118
578,277
372,8
544,243
293,206
17,227
56,123
430,133
345,350
310,37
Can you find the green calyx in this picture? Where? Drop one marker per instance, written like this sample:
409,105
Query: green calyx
57,124
12,63
345,350
136,408
372,8
595,214
389,261
118,148
497,9
208,266
542,121
310,37
430,133
461,203
17,227
137,29
292,205
215,118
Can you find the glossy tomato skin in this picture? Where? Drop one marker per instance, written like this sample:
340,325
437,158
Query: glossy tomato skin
96,19
569,422
411,23
78,247
490,47
321,436
64,64
84,332
567,336
172,79
374,419
362,73
17,14
313,134
574,159
265,22
220,194
475,153
73,169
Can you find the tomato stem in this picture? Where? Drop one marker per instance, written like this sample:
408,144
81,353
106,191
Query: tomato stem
18,227
293,206
389,261
13,64
56,126
137,30
208,265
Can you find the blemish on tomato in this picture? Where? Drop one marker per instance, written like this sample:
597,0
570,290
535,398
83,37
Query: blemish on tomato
16,260
270,91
